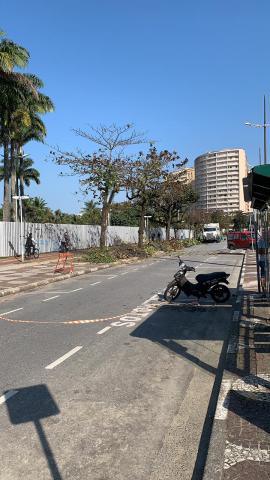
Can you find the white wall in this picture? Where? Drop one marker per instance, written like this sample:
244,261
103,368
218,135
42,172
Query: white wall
48,236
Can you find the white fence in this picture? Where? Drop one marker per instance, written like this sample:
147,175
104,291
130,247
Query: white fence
48,236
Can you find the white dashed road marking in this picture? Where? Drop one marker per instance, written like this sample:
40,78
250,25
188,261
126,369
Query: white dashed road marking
103,330
51,298
11,311
63,358
92,284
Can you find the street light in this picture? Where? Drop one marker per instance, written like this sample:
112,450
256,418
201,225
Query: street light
20,198
264,126
146,224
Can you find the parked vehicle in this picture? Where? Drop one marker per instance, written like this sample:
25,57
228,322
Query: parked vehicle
211,232
208,283
240,239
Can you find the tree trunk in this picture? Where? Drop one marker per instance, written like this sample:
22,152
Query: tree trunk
21,182
104,225
17,186
141,227
168,224
6,199
13,173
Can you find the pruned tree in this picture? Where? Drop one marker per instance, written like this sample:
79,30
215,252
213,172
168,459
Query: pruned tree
224,219
195,219
146,176
174,197
103,172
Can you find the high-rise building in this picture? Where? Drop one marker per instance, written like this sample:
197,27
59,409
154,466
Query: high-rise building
218,180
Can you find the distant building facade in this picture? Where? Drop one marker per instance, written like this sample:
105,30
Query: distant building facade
218,180
186,175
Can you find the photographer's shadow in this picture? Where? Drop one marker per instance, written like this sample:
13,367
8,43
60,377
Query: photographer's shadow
32,404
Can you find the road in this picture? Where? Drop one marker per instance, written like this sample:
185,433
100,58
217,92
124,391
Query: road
102,380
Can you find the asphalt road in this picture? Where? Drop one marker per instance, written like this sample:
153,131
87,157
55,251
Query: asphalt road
102,380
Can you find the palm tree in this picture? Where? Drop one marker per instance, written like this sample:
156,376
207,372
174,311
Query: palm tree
26,126
21,102
14,88
25,174
37,211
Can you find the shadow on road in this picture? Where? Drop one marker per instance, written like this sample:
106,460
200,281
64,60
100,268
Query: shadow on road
186,331
32,404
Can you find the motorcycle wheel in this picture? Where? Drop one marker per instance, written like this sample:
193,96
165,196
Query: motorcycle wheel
172,292
36,253
220,293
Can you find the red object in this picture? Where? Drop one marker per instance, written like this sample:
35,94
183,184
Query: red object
65,263
240,239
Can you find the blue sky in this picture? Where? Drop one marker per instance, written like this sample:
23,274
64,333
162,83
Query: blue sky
187,72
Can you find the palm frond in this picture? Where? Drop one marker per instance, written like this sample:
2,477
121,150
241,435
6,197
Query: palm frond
44,104
12,55
35,80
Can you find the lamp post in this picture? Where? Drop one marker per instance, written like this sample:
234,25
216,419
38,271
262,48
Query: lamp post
146,225
21,198
264,126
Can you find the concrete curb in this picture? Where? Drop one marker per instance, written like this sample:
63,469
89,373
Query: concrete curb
40,283
213,468
31,286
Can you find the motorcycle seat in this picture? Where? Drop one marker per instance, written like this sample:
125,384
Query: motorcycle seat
205,277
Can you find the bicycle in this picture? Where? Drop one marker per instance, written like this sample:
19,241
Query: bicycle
32,252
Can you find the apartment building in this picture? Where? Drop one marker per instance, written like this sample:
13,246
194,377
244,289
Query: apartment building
218,180
186,175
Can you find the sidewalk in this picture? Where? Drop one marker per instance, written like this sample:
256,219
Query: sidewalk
16,276
240,441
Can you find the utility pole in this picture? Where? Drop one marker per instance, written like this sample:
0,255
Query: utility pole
264,131
20,198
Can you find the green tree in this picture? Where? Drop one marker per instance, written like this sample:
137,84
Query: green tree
224,219
146,176
20,99
125,214
102,172
173,197
91,214
240,221
36,211
25,173
13,90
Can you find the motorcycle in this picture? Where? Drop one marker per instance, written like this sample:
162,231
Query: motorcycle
208,283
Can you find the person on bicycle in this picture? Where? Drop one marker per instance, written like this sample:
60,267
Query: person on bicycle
30,244
65,242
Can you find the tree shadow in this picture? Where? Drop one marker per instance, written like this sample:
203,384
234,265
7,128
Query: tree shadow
212,263
32,404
